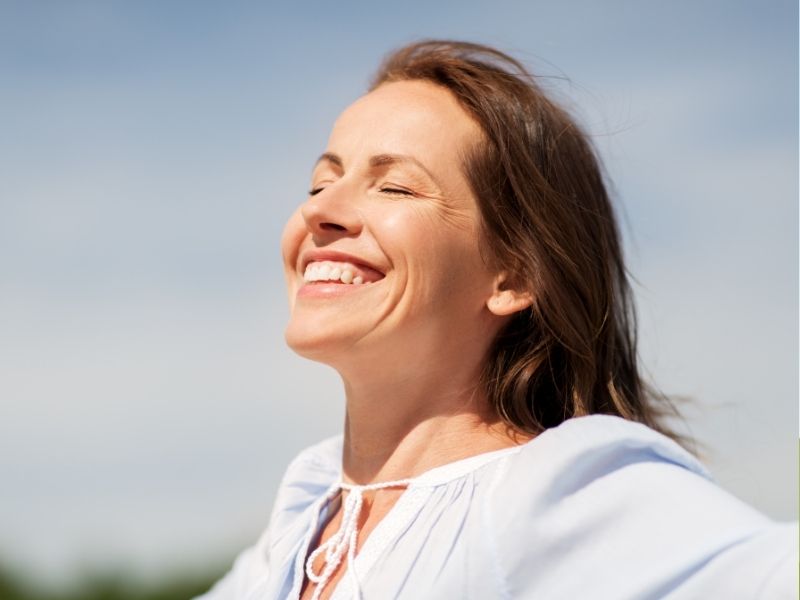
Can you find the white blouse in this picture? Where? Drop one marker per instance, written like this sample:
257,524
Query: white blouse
598,507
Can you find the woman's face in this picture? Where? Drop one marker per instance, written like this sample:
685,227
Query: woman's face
382,260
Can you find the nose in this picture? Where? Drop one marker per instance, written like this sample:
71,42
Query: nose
331,214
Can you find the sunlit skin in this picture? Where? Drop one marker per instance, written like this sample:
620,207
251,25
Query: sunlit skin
410,346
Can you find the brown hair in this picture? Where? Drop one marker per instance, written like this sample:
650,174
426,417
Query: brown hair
548,222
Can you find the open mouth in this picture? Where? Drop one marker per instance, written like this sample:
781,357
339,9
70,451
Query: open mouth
340,272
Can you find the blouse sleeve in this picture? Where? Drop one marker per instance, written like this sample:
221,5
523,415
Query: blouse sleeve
247,575
606,508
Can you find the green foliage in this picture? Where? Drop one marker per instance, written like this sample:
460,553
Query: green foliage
110,586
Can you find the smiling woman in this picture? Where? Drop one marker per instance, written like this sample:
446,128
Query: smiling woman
457,261
411,232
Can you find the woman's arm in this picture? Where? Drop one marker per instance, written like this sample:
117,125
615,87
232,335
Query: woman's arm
247,576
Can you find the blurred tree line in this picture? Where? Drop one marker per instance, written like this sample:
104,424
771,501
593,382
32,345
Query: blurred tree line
109,586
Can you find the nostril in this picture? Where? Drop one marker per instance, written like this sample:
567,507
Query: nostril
332,227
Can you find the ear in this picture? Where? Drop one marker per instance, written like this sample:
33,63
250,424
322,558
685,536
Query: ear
505,299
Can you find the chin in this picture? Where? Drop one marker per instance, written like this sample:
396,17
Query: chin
316,343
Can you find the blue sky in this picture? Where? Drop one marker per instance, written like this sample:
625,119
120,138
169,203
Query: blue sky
151,153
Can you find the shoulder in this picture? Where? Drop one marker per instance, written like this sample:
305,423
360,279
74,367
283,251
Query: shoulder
308,476
603,441
598,492
580,452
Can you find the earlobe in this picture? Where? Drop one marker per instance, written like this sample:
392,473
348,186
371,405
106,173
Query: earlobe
505,300
508,302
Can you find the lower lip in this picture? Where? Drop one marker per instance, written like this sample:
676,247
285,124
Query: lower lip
330,290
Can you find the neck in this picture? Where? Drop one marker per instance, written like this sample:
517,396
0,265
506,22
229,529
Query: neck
402,424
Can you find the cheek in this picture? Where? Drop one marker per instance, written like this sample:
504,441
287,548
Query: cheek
407,231
442,260
413,240
293,234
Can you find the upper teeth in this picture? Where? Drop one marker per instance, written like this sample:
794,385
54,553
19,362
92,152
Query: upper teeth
329,272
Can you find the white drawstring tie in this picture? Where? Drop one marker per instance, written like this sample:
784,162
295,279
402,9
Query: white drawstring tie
345,539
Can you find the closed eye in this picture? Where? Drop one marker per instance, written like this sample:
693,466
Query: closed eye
396,191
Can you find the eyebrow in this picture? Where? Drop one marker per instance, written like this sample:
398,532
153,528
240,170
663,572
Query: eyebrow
380,160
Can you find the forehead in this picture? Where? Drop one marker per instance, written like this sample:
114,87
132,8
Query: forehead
418,118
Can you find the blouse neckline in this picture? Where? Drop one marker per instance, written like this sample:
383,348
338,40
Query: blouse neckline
458,468
410,502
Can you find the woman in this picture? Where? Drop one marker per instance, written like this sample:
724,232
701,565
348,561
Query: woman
457,261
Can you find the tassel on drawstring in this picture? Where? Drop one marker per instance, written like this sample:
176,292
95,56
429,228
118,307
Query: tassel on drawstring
345,539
